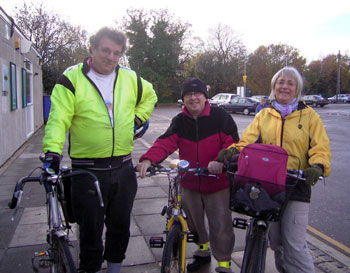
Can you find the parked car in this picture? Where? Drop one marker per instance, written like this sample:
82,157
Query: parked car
240,105
260,97
315,100
221,98
180,102
341,98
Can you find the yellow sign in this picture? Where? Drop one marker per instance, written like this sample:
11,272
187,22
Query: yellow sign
244,78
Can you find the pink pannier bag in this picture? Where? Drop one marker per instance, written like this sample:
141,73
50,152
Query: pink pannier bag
264,165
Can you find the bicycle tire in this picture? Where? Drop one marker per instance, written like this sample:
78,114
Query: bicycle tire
61,257
257,257
172,253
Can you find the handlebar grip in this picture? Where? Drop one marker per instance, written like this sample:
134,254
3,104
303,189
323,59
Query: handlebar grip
13,203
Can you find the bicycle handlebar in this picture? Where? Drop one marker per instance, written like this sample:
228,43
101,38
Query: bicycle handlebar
299,174
182,167
47,176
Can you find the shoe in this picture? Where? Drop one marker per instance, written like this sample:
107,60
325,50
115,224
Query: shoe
197,263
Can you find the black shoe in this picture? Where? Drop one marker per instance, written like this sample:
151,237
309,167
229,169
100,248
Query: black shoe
197,263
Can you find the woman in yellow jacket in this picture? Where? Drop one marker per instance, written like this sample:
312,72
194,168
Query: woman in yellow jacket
289,123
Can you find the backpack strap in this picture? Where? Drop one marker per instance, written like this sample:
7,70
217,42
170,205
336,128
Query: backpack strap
139,89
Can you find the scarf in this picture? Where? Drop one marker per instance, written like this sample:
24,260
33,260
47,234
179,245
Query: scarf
285,109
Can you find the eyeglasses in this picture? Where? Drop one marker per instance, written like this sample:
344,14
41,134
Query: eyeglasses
107,51
283,82
190,94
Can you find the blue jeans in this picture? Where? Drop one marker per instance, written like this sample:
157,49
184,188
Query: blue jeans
118,188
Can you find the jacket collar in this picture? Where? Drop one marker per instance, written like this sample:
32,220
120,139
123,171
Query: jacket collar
86,66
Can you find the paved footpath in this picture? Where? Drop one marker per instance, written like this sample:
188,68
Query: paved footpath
21,238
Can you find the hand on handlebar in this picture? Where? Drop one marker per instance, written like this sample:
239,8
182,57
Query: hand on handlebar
215,167
312,174
52,161
142,167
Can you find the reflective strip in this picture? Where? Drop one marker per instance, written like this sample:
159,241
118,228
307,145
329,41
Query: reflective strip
203,247
226,264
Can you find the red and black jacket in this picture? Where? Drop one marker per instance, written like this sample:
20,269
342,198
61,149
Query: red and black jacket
199,141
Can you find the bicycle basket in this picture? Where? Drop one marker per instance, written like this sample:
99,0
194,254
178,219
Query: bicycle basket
253,200
258,189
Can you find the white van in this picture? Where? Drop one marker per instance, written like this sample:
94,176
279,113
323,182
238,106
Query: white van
221,98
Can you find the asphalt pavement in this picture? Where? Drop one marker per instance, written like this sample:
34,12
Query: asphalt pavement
26,234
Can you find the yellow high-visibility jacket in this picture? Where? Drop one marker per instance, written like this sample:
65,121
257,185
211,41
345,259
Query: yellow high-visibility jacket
78,106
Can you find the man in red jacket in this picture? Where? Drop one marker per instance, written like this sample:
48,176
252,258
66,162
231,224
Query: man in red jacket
200,132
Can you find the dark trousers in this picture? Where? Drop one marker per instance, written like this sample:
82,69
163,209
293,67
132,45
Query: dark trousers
118,187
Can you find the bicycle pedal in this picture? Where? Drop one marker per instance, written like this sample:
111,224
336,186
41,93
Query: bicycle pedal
44,260
40,254
240,223
156,242
164,210
192,238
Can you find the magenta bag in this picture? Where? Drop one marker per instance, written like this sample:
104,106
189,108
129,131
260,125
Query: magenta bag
264,165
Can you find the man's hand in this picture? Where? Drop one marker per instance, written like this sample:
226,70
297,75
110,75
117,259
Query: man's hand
143,166
52,161
215,167
312,174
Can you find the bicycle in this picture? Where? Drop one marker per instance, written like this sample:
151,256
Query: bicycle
258,225
177,232
57,256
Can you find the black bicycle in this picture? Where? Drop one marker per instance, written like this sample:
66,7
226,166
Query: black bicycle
57,256
254,200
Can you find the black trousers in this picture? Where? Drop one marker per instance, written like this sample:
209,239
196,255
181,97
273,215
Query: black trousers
118,187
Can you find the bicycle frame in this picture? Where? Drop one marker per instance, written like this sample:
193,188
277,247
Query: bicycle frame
177,216
54,216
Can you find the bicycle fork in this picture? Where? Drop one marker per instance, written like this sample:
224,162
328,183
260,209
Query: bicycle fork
55,227
256,244
159,242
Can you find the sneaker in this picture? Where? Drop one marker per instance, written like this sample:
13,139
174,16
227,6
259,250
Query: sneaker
197,263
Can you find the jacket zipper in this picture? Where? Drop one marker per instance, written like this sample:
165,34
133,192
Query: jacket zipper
98,91
283,120
197,150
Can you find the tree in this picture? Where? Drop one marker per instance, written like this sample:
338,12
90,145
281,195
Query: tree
322,76
156,44
266,61
220,63
59,43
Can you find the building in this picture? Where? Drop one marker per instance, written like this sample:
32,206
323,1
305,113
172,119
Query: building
21,97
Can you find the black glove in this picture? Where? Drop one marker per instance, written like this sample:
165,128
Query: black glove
229,157
312,174
226,155
52,161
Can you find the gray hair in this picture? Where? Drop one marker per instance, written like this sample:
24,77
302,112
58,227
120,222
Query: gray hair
288,71
116,36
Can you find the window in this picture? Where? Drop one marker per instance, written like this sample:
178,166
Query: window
27,84
13,87
24,88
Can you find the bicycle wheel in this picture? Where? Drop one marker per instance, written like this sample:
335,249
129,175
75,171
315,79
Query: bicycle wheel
60,256
172,253
256,262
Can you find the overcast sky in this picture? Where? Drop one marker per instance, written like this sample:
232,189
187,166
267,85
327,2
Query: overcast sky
315,27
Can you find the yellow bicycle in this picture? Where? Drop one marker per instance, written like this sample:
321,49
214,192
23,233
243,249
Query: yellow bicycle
177,232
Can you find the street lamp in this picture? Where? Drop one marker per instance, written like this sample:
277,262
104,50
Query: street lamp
245,77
